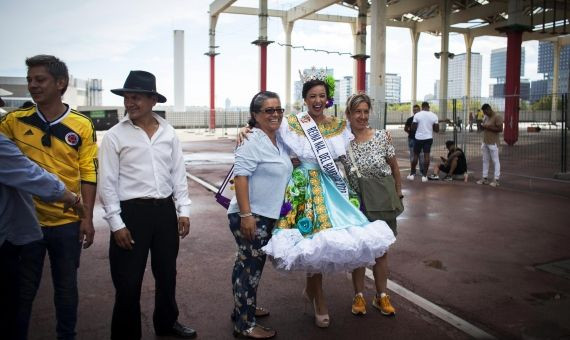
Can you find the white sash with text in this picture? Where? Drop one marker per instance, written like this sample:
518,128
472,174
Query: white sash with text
321,151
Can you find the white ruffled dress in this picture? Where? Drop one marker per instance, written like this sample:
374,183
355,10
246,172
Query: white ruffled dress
319,229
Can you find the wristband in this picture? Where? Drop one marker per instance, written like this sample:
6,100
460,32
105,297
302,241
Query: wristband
401,196
77,200
245,214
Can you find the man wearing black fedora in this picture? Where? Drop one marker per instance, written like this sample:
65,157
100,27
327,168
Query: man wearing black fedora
144,193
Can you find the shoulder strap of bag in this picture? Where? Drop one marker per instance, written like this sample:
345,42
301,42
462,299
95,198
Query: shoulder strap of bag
353,160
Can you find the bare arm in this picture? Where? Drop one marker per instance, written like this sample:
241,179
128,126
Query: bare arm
86,229
248,226
396,174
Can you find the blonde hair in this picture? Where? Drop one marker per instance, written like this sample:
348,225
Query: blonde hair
355,100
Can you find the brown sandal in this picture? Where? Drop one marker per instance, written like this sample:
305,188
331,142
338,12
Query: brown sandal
254,333
261,312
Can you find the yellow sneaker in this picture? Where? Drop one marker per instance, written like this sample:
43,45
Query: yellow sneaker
358,305
383,305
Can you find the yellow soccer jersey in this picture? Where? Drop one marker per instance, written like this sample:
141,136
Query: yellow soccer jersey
66,147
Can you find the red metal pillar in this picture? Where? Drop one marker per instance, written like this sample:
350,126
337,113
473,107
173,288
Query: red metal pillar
212,124
262,62
512,86
262,67
360,72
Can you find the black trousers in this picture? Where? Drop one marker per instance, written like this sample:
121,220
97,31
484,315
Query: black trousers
153,227
9,289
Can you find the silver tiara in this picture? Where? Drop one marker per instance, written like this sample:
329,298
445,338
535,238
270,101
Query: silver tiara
313,74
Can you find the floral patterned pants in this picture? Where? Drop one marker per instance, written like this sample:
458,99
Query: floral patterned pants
248,267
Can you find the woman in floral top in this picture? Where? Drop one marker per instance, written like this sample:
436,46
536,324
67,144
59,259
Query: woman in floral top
374,155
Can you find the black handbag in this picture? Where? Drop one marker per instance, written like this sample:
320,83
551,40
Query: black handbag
378,195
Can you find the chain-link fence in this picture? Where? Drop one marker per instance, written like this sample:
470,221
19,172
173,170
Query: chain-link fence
541,149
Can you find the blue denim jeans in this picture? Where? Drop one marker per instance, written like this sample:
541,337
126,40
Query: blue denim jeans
63,247
411,143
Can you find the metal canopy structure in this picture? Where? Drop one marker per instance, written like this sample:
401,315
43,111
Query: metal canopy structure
518,20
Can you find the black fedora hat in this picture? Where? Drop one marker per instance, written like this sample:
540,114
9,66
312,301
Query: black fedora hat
140,82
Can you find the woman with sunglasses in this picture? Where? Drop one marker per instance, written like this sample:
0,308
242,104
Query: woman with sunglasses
262,169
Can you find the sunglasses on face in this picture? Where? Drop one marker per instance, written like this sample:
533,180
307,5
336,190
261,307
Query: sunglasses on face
271,110
46,138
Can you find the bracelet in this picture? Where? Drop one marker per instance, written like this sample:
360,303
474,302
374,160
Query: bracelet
401,196
77,200
245,214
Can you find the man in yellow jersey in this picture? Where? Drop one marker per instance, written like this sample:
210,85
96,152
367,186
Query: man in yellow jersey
62,141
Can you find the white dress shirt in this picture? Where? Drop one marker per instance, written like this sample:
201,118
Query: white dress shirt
132,165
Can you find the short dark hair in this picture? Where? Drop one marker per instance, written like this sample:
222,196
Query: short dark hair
54,66
312,83
485,107
449,143
425,105
257,102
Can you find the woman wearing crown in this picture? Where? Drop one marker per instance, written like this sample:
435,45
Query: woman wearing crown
321,229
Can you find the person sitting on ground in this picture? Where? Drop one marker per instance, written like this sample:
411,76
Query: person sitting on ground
454,164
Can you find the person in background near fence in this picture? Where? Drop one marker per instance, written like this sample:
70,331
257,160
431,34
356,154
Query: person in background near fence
479,120
62,141
375,157
424,124
144,192
492,127
262,170
454,164
412,136
471,118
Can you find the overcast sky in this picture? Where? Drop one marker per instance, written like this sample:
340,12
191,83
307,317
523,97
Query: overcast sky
106,39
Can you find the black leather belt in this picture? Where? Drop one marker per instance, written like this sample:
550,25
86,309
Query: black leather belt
150,201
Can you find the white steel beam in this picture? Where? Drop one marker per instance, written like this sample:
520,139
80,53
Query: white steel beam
307,8
218,6
377,79
463,16
407,6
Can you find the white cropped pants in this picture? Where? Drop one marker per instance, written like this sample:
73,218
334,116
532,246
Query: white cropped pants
491,151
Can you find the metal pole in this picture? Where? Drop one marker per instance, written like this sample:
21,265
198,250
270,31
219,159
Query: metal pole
385,113
532,13
454,103
543,15
554,21
564,118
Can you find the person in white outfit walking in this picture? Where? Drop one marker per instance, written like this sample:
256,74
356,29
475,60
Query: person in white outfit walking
492,127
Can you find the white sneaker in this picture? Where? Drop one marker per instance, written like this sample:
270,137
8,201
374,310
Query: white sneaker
411,177
424,179
494,183
483,181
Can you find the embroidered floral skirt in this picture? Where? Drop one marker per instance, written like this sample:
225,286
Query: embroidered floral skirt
322,231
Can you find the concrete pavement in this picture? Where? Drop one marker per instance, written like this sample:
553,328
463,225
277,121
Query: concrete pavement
469,249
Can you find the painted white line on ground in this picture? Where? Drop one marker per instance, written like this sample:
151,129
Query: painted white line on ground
202,182
428,306
434,309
